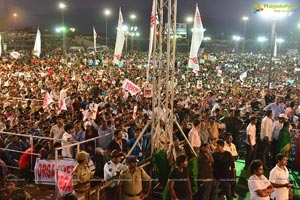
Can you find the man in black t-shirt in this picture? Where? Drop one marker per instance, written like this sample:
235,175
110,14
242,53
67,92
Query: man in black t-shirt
222,167
179,182
255,104
118,143
205,173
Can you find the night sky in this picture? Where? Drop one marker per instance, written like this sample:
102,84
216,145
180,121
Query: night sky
217,15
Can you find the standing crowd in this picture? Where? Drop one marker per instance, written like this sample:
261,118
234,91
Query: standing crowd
89,102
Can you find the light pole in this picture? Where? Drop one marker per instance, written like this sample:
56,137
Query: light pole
279,41
62,7
298,26
133,32
125,29
270,13
132,29
236,39
273,30
245,19
15,17
106,13
188,20
262,40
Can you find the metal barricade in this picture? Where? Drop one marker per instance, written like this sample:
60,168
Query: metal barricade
31,138
96,191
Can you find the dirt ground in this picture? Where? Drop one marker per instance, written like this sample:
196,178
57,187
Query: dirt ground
40,192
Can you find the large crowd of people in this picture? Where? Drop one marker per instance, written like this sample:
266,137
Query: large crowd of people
215,108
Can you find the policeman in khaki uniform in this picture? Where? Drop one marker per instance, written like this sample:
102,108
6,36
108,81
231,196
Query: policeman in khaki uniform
82,174
130,186
112,169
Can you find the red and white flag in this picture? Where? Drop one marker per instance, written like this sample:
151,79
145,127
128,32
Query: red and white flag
151,38
132,88
62,104
197,37
47,100
148,93
86,115
37,44
119,40
95,37
15,54
134,112
64,183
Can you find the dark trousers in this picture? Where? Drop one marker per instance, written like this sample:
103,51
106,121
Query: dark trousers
205,190
233,181
274,150
111,193
214,189
225,187
265,147
250,155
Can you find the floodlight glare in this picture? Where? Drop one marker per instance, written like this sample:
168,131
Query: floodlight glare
279,40
262,39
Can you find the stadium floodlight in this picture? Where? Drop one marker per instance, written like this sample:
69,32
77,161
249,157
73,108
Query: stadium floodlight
262,39
279,40
207,38
189,19
236,38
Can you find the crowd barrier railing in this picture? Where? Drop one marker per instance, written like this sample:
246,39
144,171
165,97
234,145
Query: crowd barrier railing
77,145
31,138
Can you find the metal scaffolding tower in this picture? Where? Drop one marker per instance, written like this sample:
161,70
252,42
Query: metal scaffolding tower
163,72
163,76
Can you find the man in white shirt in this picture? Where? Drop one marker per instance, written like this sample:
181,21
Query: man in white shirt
251,142
67,139
266,135
57,130
111,169
279,177
216,105
194,136
259,186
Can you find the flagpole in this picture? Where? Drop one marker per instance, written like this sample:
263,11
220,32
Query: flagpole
272,50
95,37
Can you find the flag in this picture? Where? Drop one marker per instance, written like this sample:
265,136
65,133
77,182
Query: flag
243,76
119,40
15,54
37,44
275,48
0,45
134,112
151,37
47,100
95,36
93,108
132,88
197,38
86,115
64,183
62,96
62,104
